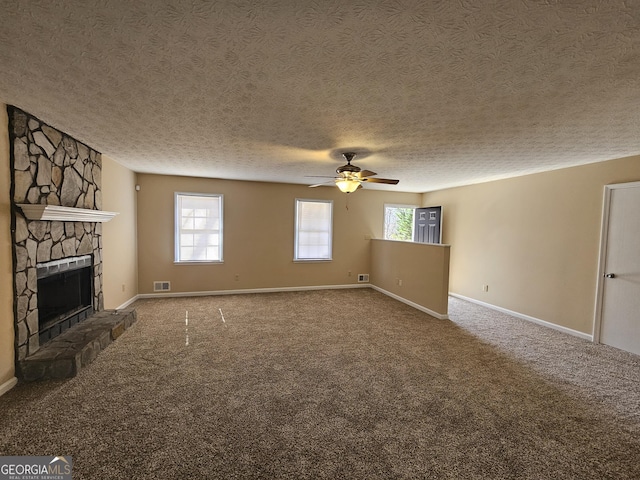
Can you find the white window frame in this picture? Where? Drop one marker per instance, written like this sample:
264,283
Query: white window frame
384,219
296,253
178,227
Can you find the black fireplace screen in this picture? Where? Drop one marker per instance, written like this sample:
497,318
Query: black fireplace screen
64,295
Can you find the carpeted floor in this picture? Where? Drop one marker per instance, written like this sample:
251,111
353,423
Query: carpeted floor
335,384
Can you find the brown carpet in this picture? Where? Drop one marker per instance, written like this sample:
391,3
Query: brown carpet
335,384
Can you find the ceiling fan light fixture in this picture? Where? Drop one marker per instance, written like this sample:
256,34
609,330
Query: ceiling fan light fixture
347,185
351,177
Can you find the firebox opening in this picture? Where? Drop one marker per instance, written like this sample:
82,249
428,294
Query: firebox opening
65,293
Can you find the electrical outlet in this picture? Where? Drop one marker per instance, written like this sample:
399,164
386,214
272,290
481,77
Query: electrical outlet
237,277
485,288
399,282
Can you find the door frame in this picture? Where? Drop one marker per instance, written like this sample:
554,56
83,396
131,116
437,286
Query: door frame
604,240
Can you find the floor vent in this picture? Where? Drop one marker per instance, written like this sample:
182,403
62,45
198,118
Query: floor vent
161,286
363,277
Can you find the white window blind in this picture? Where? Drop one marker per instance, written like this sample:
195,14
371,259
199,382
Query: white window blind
198,228
314,229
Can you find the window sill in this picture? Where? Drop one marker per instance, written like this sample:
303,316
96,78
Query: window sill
212,262
313,260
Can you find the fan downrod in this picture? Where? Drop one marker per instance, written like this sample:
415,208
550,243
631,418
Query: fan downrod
348,156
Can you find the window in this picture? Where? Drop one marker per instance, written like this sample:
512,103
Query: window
314,229
398,222
198,228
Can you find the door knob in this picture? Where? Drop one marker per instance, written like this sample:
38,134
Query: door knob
610,275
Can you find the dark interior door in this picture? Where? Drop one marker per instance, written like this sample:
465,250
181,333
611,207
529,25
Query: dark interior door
427,225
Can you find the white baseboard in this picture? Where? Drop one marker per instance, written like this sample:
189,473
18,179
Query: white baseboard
439,316
283,289
128,302
8,385
251,290
528,318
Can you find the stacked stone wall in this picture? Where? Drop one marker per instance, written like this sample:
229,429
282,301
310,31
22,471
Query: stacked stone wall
49,167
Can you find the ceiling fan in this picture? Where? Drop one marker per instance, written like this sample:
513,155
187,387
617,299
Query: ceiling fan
351,177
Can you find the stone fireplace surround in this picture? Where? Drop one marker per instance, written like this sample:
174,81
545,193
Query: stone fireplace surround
49,167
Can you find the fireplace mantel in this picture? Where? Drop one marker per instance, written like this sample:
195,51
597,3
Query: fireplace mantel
64,214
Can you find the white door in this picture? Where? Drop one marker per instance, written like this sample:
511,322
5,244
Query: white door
620,282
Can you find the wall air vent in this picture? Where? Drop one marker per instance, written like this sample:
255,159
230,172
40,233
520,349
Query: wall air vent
161,286
363,277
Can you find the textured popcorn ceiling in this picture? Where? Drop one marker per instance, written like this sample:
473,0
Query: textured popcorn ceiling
435,93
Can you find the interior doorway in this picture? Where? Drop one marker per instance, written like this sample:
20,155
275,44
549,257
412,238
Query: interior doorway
617,320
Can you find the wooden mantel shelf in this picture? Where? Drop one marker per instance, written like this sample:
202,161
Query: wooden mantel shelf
64,214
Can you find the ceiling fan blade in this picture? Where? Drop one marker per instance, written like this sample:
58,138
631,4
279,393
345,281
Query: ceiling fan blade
320,176
320,184
366,173
381,180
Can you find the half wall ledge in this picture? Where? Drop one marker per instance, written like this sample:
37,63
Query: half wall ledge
64,214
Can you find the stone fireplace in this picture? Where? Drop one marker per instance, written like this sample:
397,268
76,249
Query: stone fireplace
53,171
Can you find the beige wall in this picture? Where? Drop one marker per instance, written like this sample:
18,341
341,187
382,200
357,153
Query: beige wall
533,239
119,252
7,359
258,234
417,272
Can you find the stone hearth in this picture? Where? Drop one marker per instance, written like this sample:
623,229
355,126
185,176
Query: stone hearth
68,353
